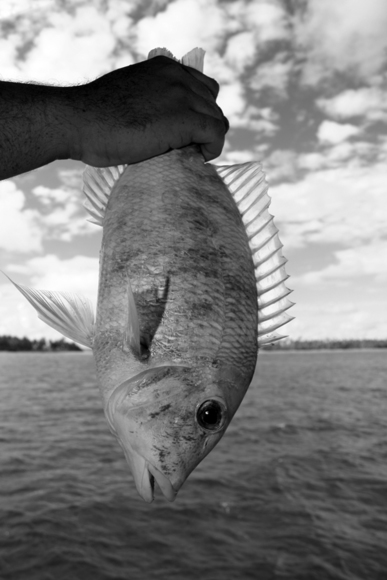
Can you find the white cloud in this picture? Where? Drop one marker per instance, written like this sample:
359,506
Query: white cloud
281,164
240,114
328,319
13,8
273,75
312,161
64,215
241,49
182,26
347,36
345,205
67,48
82,44
369,102
78,274
61,217
8,55
351,263
234,157
20,228
332,132
231,99
355,153
269,20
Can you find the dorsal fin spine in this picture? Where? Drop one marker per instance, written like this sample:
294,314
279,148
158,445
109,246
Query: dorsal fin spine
260,227
277,322
268,257
281,307
255,249
274,270
263,302
276,284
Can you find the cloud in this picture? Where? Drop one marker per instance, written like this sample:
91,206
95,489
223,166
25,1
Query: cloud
368,102
20,230
269,20
241,27
8,56
347,37
280,165
66,47
344,205
328,319
78,274
64,217
273,76
355,153
351,263
82,44
241,50
183,25
58,214
331,132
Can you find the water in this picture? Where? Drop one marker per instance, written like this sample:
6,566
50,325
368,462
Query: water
297,488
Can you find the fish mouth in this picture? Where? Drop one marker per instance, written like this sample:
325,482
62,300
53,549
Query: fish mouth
145,476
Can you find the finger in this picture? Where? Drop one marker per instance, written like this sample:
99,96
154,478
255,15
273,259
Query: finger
205,107
210,83
209,133
212,150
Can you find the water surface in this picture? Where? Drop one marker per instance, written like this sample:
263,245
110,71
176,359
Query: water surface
296,489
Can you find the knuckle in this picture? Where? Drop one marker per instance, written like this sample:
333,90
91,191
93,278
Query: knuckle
213,86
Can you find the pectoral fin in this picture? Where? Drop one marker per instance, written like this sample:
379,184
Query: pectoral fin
132,333
69,314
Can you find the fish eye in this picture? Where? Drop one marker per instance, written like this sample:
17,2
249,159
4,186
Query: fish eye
211,415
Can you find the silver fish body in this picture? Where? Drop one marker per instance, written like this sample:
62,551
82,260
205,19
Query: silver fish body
172,231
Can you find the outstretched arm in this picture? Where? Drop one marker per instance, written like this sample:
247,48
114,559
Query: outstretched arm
125,116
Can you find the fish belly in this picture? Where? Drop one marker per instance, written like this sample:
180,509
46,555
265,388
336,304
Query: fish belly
174,233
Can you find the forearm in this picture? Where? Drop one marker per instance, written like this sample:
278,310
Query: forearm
125,116
35,126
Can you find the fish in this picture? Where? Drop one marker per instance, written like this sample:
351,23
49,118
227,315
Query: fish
191,285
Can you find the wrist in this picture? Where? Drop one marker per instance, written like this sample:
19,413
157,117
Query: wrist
61,122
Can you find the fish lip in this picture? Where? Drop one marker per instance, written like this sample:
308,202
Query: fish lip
163,482
145,474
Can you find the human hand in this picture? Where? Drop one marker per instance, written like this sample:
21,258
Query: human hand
144,110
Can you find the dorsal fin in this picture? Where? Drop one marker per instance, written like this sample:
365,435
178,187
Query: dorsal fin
248,186
69,314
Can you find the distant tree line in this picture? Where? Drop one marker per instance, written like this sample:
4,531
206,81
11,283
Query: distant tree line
13,343
289,344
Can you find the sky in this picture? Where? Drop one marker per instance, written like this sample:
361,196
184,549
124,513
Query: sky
303,84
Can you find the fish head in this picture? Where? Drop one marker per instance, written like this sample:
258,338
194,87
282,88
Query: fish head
167,419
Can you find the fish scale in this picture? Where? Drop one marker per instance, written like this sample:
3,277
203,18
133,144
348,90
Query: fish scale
207,262
191,284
